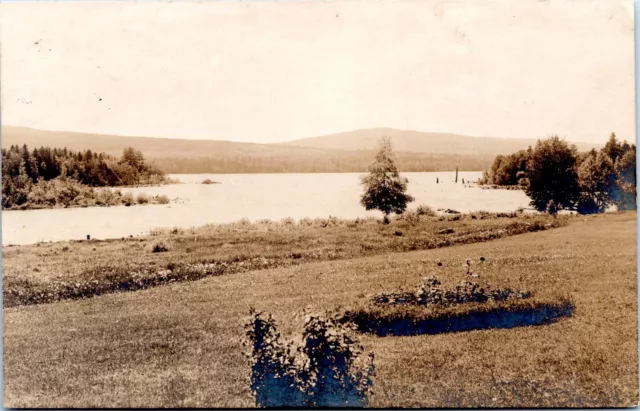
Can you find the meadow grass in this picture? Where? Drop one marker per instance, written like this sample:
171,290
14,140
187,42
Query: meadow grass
45,272
180,345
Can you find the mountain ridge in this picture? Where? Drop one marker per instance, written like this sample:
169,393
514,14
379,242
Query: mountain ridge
407,141
421,142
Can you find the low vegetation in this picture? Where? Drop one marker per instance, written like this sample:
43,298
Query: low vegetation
64,192
431,293
97,267
209,181
469,305
46,177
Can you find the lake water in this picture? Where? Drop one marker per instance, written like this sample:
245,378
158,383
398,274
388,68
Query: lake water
252,196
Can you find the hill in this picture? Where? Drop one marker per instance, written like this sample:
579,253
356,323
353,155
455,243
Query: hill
151,147
421,142
214,156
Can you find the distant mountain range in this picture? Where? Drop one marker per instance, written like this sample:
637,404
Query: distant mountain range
343,152
421,142
150,146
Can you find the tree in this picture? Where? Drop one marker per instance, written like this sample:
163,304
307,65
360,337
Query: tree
133,158
597,178
624,192
384,189
613,148
552,176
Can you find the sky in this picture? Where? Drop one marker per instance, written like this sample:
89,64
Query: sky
275,71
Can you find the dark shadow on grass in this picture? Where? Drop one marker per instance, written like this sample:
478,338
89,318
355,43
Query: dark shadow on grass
477,320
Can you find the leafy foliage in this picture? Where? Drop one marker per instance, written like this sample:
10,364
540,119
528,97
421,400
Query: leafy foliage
385,190
25,172
552,174
556,177
325,372
597,178
624,194
508,170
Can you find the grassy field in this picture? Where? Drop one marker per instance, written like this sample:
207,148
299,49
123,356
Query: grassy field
179,345
69,270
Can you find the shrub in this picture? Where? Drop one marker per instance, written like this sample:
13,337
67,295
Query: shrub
288,221
209,181
425,210
244,222
162,199
143,199
305,222
431,293
325,373
159,248
128,199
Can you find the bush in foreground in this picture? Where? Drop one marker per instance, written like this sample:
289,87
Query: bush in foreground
324,373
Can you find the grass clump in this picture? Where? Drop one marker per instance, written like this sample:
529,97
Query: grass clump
327,370
209,181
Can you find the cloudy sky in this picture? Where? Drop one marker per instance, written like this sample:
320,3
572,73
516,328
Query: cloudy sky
266,72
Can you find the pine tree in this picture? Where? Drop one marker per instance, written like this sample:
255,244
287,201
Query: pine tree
613,148
384,189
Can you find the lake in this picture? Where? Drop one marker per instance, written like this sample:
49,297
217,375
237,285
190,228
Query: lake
252,196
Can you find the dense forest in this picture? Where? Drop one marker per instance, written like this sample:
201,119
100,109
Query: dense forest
554,174
27,175
344,162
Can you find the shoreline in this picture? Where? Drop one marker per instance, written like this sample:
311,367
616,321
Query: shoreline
441,214
81,269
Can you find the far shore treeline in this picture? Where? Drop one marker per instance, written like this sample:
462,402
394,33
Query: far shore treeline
323,162
56,177
553,173
556,176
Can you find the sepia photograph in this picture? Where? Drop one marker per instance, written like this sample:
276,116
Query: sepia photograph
319,204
